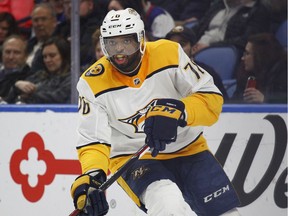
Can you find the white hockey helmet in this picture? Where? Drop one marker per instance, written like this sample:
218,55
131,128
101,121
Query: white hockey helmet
122,22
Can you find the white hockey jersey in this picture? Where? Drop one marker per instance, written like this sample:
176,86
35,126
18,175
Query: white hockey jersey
112,106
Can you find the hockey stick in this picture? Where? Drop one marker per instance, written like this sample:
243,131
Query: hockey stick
118,173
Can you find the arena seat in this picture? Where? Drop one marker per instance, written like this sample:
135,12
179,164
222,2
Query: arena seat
281,34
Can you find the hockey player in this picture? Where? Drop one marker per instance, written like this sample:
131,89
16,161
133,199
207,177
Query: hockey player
149,92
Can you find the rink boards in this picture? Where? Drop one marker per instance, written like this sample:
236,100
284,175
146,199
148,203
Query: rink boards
38,160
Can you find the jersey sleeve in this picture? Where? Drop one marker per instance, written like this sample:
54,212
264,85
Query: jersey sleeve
203,100
93,131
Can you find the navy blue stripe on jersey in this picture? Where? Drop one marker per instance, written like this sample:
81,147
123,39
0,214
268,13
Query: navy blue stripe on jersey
109,90
206,92
161,70
93,143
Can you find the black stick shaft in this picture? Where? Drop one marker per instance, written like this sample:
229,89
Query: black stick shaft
119,172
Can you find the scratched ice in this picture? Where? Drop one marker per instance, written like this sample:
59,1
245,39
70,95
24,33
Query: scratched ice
33,167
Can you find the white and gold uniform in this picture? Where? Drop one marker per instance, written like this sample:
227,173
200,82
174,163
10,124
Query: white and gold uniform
112,106
112,110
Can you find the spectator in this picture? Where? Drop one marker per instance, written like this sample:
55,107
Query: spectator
184,11
101,8
14,65
158,22
89,21
117,5
266,60
278,12
58,8
52,85
231,22
21,11
186,38
8,26
97,45
97,48
44,24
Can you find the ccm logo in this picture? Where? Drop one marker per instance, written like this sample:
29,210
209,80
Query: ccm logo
159,108
216,194
114,26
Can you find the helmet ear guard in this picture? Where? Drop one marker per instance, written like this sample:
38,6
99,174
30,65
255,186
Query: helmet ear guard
141,39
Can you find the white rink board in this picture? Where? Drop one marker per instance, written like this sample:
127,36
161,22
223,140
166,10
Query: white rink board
57,131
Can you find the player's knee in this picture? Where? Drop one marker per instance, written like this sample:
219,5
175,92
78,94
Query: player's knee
163,198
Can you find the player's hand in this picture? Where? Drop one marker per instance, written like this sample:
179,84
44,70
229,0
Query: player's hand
86,194
162,120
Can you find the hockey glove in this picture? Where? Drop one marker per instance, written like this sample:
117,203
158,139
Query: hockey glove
86,195
162,120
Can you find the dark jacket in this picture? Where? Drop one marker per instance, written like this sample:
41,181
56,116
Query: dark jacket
247,21
51,89
37,61
88,25
9,79
274,82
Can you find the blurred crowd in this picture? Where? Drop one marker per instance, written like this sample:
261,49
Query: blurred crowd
35,41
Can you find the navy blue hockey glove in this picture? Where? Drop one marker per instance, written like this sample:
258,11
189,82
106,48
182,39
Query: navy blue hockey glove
162,120
86,195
